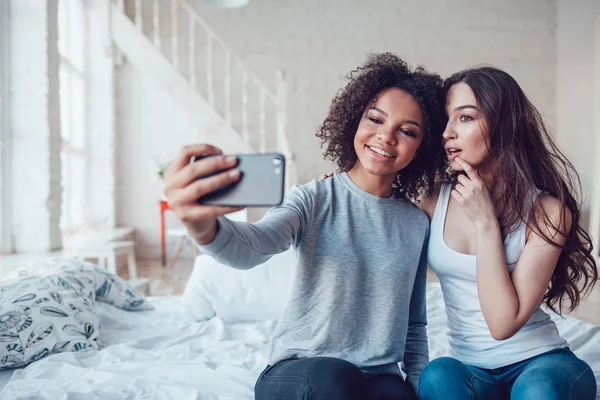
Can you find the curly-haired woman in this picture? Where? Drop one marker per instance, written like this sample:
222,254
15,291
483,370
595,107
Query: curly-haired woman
357,306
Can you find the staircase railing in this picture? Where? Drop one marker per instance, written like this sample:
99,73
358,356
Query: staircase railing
252,100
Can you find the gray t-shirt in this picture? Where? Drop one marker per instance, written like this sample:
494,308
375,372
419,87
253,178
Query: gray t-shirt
359,289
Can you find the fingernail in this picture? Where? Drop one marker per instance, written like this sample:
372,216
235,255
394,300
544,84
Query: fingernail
230,159
234,173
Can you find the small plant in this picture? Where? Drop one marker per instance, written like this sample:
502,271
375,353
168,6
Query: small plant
162,168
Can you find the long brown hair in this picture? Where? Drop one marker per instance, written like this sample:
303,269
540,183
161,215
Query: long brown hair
527,158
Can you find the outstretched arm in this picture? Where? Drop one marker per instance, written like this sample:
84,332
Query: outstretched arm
238,244
244,245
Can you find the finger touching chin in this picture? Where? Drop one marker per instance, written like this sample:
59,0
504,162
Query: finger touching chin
456,166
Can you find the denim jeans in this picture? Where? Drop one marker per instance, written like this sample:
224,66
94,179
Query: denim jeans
325,378
554,375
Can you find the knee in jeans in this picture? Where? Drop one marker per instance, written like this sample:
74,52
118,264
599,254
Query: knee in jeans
538,386
440,369
439,376
541,383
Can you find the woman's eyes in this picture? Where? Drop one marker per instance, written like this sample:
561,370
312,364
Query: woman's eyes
408,133
404,131
465,118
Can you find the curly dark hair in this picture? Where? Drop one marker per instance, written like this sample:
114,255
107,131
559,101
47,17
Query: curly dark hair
379,73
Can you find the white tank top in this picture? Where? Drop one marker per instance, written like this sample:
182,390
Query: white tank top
469,336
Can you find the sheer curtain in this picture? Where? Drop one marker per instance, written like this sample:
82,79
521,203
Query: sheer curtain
5,242
75,151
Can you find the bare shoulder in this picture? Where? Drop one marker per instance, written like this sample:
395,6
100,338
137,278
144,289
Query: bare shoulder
428,203
554,215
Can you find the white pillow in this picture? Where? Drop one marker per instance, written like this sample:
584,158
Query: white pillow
258,294
109,288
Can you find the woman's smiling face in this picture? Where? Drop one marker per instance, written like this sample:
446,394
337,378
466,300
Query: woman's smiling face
389,134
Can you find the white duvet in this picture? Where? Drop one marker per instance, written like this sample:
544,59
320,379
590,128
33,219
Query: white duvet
161,354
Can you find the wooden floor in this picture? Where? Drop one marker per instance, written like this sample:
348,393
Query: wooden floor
164,280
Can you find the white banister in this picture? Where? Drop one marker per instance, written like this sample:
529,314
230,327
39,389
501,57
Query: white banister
245,132
209,71
228,88
215,39
280,105
281,129
138,15
272,101
261,127
156,23
192,53
174,33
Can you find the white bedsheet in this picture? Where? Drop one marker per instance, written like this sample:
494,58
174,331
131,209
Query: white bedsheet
160,354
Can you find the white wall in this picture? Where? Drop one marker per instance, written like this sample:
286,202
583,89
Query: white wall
575,74
151,126
317,42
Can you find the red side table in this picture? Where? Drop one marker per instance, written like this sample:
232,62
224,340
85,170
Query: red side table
164,206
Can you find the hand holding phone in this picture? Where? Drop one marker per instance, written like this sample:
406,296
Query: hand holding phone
183,188
261,183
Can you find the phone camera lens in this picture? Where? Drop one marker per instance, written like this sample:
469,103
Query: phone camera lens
277,161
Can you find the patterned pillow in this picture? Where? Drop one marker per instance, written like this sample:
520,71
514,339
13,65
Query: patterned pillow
43,315
109,288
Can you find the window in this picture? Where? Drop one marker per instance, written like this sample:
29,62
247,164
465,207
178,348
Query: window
5,243
75,158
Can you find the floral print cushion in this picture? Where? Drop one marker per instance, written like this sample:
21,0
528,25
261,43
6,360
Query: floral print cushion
43,315
109,288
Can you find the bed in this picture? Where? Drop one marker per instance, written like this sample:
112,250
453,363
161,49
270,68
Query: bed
165,353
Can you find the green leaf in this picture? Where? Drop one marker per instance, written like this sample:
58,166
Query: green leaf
11,360
57,297
81,346
16,347
40,333
60,347
26,297
26,324
39,355
52,312
72,330
103,290
8,337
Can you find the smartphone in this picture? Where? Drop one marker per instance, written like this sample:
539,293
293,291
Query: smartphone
261,183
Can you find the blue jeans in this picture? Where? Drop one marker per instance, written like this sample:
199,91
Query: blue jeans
554,375
325,378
